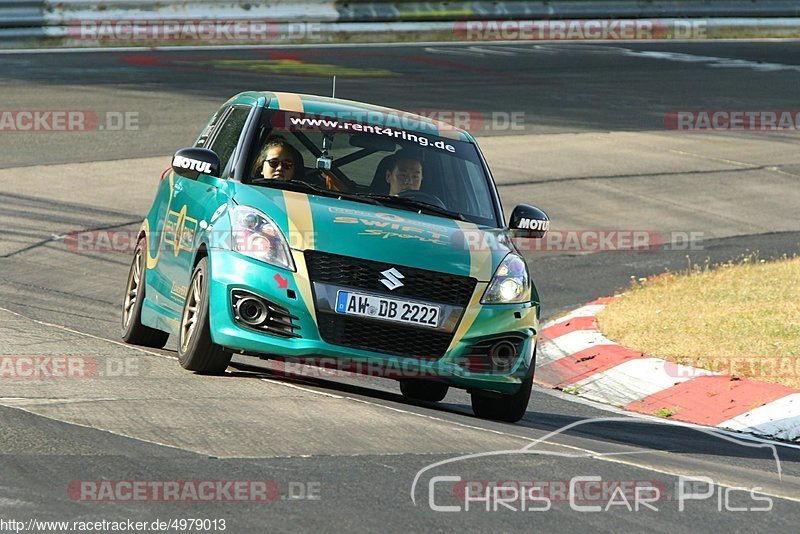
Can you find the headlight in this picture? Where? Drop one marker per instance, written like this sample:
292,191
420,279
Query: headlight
510,282
257,236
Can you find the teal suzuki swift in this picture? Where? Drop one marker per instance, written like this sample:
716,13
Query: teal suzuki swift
309,229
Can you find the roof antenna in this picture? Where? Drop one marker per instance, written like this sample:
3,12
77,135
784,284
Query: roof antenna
324,161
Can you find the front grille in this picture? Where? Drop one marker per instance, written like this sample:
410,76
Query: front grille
380,336
419,284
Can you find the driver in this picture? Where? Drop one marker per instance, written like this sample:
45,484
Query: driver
404,173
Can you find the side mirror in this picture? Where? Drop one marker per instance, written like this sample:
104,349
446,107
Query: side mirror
528,222
192,162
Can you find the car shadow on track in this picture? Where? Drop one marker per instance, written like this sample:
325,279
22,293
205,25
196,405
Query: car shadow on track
637,433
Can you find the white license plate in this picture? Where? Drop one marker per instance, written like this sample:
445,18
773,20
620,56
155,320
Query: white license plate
400,311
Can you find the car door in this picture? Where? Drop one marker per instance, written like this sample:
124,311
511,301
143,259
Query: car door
194,201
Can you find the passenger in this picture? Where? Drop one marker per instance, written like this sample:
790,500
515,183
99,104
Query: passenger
278,160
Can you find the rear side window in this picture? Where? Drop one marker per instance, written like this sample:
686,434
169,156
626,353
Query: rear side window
209,129
227,135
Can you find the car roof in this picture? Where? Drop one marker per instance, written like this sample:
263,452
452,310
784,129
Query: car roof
355,111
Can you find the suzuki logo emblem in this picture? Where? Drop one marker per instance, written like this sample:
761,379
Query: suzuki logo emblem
392,278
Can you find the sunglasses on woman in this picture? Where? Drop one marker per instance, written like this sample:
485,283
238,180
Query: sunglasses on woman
285,163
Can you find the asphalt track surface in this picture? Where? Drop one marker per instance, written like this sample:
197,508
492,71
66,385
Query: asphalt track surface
591,114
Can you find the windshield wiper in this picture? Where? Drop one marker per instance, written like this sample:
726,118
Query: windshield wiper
408,202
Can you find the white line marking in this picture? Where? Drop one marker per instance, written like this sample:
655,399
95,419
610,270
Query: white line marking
425,416
454,52
594,454
714,62
67,329
654,419
295,386
742,164
107,431
492,51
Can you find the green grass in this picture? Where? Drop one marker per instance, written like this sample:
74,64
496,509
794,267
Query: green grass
665,412
740,318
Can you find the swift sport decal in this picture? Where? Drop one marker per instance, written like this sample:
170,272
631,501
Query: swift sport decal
404,230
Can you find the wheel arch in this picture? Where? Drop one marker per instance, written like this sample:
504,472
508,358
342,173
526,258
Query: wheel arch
202,252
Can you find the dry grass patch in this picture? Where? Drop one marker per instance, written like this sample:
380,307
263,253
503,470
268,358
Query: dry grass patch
738,318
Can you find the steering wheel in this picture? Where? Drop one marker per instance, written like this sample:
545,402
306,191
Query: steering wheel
428,198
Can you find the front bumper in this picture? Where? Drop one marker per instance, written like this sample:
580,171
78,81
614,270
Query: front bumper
293,291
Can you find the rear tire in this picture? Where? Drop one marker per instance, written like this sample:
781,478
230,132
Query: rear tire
424,390
133,331
196,350
509,408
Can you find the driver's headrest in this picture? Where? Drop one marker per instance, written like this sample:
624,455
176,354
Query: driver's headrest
379,184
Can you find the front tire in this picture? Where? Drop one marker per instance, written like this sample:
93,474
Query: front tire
509,408
133,331
196,350
424,390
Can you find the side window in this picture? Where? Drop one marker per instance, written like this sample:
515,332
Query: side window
209,129
463,184
227,134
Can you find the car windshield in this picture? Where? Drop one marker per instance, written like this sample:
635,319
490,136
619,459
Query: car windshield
413,170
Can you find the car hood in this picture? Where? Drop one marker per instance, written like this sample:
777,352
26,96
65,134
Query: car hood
379,233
